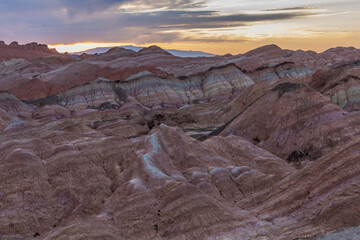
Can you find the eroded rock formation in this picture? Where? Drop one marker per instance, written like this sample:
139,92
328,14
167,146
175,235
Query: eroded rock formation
127,145
27,51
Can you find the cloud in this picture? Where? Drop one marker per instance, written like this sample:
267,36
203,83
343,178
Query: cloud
88,6
203,19
69,21
91,6
166,4
216,39
292,9
73,6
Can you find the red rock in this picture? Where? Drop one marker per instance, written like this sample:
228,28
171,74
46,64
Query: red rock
292,121
340,84
264,50
144,145
27,51
122,52
85,56
153,50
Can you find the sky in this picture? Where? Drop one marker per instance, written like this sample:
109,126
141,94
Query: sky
215,26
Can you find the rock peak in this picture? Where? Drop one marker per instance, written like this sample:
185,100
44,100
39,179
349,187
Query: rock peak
120,50
153,50
117,52
263,49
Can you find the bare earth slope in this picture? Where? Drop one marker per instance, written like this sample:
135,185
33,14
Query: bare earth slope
127,145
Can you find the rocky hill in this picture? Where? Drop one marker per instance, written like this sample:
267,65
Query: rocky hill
147,145
179,53
27,51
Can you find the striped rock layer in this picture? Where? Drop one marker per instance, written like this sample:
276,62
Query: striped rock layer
124,145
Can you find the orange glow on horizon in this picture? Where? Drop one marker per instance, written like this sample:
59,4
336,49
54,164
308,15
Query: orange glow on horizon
316,43
78,47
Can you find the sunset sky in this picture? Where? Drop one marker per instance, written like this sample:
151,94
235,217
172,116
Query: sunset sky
215,26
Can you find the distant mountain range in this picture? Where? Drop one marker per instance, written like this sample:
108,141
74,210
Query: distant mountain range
178,53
